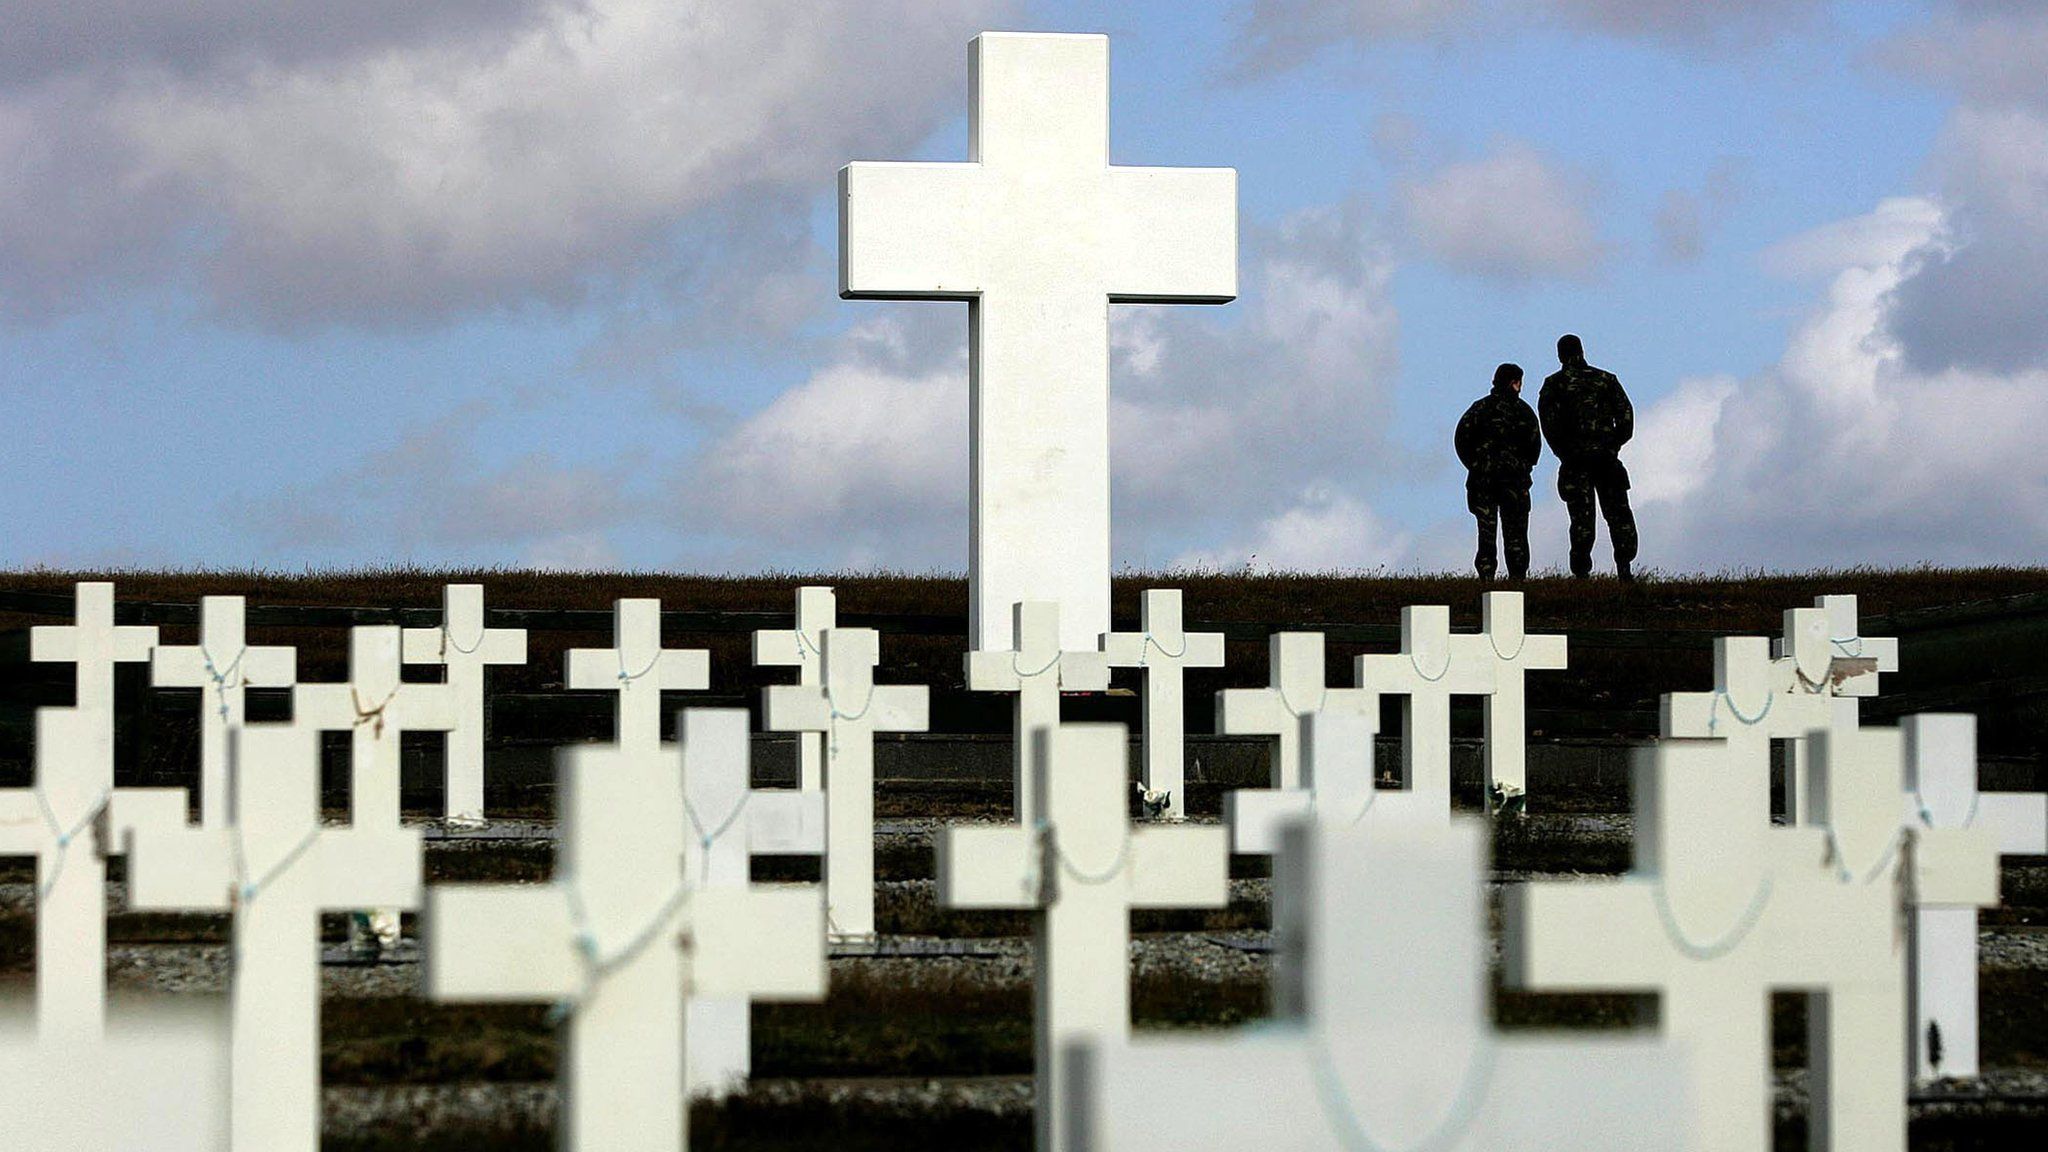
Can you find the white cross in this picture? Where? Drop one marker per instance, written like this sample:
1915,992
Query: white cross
1515,652
464,646
1859,658
1942,796
1338,791
221,665
1081,870
848,707
1720,911
71,819
1038,232
618,940
1383,1034
802,646
376,708
277,869
1036,671
1758,698
1431,667
1163,648
93,643
1829,658
639,669
729,824
1295,691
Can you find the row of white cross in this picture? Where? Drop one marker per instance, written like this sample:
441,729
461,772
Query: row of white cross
1721,910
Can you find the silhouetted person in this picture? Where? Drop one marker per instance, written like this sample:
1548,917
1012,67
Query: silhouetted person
1499,442
1587,418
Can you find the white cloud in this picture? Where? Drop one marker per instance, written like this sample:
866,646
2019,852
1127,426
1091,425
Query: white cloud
1275,35
1845,452
1323,530
486,157
1512,215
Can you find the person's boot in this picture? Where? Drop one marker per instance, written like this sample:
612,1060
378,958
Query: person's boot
1627,575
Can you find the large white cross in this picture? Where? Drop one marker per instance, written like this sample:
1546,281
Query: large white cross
848,707
277,869
1294,691
1081,872
1163,648
803,647
1720,911
92,643
376,708
619,939
1942,795
1431,667
464,646
221,665
729,824
639,669
1039,233
1383,1034
1515,653
1036,669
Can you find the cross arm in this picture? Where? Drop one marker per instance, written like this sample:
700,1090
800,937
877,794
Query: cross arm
500,942
131,810
684,670
1180,867
759,942
2018,819
1203,649
1123,649
795,708
988,866
1250,712
989,671
1171,235
271,666
180,868
785,822
1548,653
778,647
177,666
910,231
421,646
22,830
901,708
369,868
1583,936
1955,867
1084,671
1255,817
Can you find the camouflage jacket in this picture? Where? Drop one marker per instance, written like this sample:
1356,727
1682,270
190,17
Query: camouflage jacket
1585,413
1498,440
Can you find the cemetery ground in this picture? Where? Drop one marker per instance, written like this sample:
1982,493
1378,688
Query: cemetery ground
933,1048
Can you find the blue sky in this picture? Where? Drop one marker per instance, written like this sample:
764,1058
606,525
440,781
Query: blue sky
550,282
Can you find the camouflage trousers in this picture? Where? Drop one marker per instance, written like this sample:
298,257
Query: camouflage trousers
1605,481
1504,507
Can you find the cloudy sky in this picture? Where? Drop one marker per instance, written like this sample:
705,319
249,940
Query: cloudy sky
551,282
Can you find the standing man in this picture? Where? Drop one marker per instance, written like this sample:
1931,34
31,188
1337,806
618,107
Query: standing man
1498,441
1587,418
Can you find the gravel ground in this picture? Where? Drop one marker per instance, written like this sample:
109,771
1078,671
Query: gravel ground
426,1110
